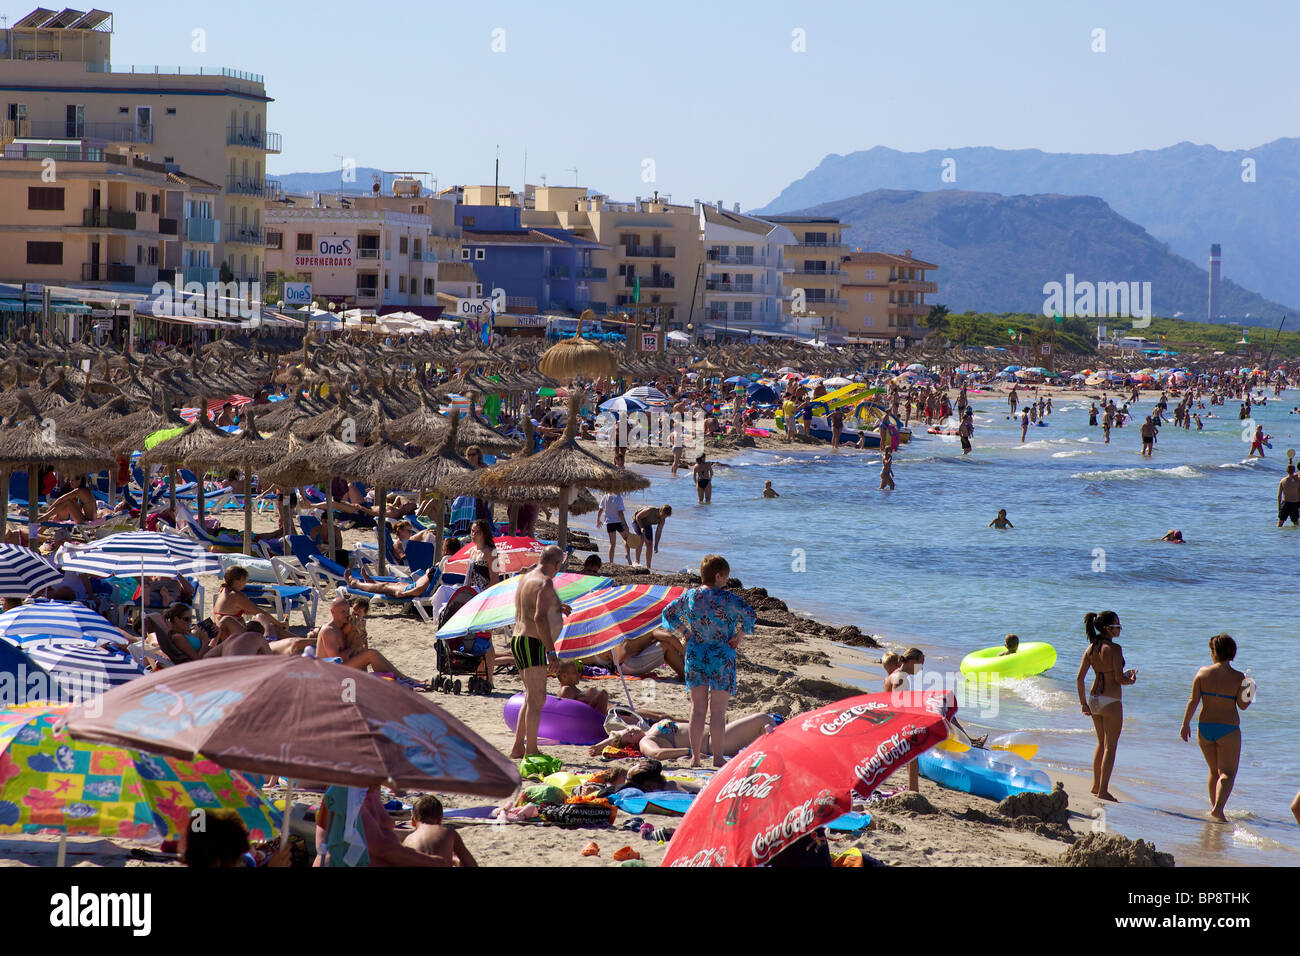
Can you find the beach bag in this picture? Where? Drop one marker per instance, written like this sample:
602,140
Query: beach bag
579,815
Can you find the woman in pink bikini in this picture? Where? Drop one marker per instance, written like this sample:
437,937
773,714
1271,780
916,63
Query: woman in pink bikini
1104,703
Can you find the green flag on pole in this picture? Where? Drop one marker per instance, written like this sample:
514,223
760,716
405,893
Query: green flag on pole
636,290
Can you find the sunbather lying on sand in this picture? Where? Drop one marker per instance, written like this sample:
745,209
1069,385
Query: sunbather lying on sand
664,739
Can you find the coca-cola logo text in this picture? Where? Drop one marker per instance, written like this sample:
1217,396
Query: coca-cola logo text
871,712
758,785
878,766
796,823
710,856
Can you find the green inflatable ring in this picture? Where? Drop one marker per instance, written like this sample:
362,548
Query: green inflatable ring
1032,657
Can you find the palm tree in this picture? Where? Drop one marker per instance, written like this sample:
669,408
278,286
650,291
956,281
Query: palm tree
937,318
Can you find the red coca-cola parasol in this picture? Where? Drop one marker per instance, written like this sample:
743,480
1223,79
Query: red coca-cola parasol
514,554
804,774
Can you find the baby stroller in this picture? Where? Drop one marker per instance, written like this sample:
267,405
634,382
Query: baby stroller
469,658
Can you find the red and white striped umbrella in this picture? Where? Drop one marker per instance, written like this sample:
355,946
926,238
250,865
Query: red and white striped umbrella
214,407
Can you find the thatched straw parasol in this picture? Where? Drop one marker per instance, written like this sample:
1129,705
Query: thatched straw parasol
426,426
250,451
474,430
196,444
565,465
374,464
307,463
433,471
577,357
35,443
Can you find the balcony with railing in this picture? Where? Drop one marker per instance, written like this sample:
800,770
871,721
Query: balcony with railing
558,272
913,285
245,235
202,230
111,272
368,252
797,270
367,292
735,260
107,219
741,288
168,227
154,70
649,252
251,186
201,274
650,282
64,129
909,308
819,244
253,139
592,274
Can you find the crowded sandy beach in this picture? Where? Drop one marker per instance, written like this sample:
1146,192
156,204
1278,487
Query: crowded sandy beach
232,565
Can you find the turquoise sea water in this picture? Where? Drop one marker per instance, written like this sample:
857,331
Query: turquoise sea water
920,566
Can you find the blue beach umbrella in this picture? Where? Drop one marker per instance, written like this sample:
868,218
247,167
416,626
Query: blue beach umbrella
80,668
622,405
44,620
142,553
23,572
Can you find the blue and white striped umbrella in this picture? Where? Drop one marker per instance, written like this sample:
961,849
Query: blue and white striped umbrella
56,619
83,669
23,572
136,553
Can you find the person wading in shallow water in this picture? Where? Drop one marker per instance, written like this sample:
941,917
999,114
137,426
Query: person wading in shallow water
1104,703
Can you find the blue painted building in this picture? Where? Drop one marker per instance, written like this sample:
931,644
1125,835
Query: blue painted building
548,270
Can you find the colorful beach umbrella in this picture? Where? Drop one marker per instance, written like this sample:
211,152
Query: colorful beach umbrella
141,553
514,554
603,619
43,620
50,782
214,407
23,572
805,774
495,607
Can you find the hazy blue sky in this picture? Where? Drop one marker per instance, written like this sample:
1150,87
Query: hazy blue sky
712,90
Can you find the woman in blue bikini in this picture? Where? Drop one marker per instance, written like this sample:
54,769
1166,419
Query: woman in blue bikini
1219,688
1104,704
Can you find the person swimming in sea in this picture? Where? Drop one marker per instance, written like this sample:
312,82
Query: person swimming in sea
769,491
1012,645
1174,535
1001,520
887,472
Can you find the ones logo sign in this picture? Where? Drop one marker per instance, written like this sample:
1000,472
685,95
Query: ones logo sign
339,247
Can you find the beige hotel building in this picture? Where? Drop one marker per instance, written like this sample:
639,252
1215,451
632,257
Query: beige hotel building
58,83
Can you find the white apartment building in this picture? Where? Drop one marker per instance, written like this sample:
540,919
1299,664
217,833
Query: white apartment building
354,257
744,260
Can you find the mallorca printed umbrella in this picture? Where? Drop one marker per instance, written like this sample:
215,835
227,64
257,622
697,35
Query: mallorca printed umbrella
299,718
805,774
514,554
495,607
603,619
50,782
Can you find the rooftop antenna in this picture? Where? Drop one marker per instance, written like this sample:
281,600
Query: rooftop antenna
496,179
573,170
